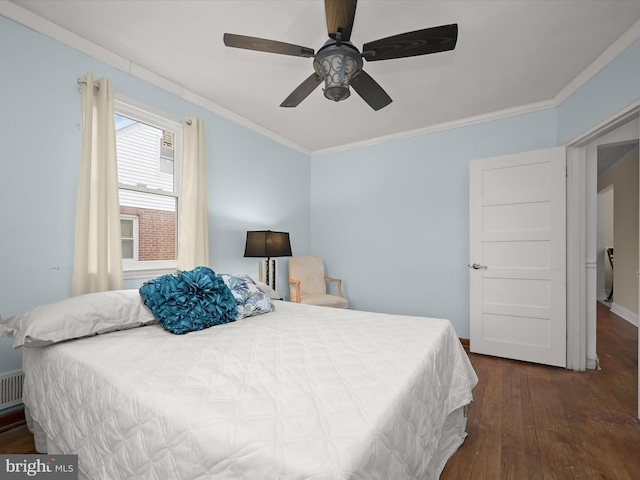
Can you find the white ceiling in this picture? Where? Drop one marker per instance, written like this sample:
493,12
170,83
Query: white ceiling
509,54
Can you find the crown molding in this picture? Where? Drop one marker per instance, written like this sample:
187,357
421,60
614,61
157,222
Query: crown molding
616,49
34,22
38,24
627,39
464,122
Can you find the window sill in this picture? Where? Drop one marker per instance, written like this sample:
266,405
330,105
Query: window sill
149,269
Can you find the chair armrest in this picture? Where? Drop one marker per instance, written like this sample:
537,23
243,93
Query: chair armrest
295,295
338,281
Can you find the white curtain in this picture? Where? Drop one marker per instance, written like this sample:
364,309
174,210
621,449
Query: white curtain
97,264
193,236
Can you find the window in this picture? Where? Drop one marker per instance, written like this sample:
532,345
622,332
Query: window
166,153
129,229
149,146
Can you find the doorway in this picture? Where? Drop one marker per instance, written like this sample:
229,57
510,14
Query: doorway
582,183
618,213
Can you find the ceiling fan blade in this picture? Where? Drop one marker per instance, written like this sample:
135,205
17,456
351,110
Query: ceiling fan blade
411,44
303,91
264,45
370,91
340,15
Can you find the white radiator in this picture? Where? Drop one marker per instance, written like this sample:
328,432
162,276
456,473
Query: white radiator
11,389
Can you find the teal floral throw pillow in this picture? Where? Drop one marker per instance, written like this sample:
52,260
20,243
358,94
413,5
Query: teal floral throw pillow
190,300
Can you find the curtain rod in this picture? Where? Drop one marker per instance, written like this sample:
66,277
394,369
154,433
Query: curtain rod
96,85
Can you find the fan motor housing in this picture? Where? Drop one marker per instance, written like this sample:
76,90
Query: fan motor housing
337,65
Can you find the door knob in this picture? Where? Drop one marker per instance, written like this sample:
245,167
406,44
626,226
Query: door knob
477,266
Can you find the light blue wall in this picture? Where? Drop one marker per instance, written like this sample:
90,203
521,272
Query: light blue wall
606,93
392,220
254,182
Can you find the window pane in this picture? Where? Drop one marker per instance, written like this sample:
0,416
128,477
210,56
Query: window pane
127,249
143,151
126,228
166,166
156,223
122,122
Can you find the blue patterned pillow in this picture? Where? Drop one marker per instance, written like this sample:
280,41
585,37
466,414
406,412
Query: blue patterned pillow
249,298
190,300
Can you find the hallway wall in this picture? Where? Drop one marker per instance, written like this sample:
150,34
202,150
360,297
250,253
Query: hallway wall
625,232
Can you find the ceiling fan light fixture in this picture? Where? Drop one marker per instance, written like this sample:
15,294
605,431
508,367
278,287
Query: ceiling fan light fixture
337,93
337,65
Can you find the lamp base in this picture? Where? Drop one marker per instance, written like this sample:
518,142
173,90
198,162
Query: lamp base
267,272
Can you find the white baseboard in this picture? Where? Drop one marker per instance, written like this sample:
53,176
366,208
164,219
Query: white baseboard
593,363
622,312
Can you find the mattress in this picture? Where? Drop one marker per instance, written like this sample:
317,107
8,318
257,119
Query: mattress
303,392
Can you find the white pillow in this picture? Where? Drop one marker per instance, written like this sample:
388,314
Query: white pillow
267,290
77,317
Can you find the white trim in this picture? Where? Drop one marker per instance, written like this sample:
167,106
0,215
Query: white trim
593,363
30,20
64,36
463,122
145,114
581,293
135,235
45,27
616,49
627,315
607,125
148,268
610,54
576,271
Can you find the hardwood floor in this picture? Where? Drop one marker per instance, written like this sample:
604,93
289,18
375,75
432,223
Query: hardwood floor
535,422
532,422
14,435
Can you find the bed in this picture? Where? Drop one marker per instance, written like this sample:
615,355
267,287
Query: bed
301,392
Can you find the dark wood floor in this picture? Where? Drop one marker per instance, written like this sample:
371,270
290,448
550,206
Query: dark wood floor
531,422
535,422
14,435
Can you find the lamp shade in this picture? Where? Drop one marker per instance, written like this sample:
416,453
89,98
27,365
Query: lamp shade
265,243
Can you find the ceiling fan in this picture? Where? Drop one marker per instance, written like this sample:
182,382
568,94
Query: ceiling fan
339,63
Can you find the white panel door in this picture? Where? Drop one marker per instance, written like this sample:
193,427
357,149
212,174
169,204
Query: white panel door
518,256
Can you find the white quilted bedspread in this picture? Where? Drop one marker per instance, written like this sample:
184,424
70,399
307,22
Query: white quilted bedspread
303,392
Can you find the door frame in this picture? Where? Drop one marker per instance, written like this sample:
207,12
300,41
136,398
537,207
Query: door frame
581,236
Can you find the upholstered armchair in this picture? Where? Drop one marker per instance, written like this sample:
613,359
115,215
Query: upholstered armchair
307,283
